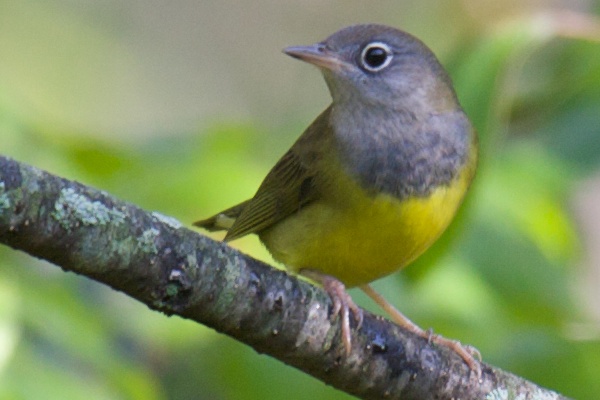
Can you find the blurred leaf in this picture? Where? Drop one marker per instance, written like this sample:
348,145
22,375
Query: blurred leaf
524,192
478,73
10,334
64,331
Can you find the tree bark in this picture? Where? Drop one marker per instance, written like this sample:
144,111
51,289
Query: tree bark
156,260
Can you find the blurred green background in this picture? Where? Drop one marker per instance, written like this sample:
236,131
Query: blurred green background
182,107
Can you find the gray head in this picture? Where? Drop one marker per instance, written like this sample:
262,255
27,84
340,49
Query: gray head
396,119
381,66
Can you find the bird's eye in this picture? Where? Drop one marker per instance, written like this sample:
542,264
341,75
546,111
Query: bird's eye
376,56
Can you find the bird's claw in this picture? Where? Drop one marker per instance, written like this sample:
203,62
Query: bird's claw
342,304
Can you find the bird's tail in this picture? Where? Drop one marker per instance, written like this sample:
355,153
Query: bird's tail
222,221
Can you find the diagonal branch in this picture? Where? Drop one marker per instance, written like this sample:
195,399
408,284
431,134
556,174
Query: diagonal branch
157,261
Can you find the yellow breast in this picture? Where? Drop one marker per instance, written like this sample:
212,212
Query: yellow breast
361,238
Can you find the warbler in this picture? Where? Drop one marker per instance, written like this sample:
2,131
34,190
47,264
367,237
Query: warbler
374,180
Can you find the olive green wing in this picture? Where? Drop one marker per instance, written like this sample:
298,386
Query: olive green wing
288,187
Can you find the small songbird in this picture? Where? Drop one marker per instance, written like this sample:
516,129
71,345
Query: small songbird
374,180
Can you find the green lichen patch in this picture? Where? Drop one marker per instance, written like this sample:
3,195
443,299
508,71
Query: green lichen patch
73,209
172,222
146,240
4,199
504,394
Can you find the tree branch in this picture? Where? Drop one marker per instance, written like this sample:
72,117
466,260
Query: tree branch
157,261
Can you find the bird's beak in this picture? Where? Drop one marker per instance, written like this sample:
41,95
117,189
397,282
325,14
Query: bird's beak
316,54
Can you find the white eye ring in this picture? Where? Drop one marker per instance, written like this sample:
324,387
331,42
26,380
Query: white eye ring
377,62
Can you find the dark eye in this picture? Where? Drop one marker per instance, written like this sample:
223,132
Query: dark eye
376,56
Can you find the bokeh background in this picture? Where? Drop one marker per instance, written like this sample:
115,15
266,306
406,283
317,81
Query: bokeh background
182,107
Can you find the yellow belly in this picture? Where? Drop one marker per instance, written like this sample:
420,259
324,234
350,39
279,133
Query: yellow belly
364,238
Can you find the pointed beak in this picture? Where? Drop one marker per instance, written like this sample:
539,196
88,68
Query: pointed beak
316,54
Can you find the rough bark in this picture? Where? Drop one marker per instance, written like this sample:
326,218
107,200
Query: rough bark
156,260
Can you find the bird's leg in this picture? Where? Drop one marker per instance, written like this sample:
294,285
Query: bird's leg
342,303
467,353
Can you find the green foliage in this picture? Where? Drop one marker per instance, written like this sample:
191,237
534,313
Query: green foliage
503,278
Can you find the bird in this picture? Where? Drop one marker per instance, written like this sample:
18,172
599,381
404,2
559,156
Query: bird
374,181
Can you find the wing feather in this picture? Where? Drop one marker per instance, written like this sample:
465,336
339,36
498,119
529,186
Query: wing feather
282,193
288,187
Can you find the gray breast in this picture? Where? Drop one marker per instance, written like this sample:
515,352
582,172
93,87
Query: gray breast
403,156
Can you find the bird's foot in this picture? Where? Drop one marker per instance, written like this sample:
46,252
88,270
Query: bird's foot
342,303
467,353
470,355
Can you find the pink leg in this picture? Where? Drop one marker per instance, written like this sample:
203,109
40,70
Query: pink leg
467,353
342,303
